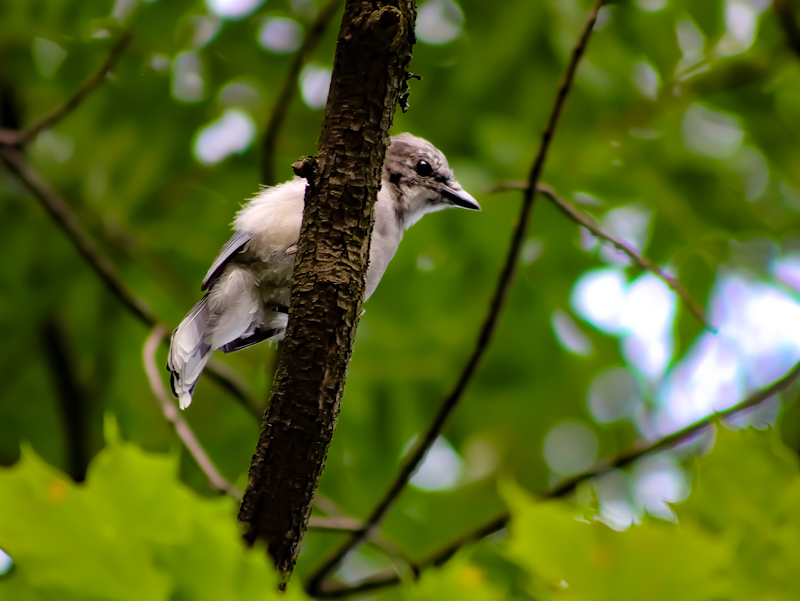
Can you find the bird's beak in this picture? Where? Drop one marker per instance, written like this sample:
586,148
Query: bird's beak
460,198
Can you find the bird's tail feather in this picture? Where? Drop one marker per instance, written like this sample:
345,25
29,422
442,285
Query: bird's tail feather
189,352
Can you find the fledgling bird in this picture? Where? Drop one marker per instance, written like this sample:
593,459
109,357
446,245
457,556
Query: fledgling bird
247,286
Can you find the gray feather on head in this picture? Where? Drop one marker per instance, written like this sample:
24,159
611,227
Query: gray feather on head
420,180
405,153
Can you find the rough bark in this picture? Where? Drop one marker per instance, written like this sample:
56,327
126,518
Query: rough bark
369,73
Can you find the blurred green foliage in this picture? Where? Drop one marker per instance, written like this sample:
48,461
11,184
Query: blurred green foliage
131,532
124,161
735,536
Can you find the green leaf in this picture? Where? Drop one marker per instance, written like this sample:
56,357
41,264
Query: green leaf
570,558
131,532
748,491
457,579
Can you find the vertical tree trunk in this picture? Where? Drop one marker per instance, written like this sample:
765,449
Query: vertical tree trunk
369,73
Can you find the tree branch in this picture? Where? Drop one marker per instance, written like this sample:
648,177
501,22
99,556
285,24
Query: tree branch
372,55
173,416
57,114
567,486
788,22
289,88
584,220
621,245
60,212
63,216
72,398
488,329
330,524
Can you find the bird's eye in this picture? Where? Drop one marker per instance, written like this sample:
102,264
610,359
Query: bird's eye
424,168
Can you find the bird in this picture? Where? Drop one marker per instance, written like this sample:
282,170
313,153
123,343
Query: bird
248,285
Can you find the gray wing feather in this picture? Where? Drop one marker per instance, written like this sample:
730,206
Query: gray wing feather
232,246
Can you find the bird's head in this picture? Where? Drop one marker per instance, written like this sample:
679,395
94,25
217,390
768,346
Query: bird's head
420,180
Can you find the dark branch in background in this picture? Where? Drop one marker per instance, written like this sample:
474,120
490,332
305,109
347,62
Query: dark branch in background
329,524
585,221
372,55
25,135
63,216
68,222
497,303
289,88
172,415
71,396
568,485
786,17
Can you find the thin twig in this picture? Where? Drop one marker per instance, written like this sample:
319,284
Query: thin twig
68,222
788,22
621,245
172,415
585,221
449,405
330,524
568,485
289,88
394,552
64,217
57,114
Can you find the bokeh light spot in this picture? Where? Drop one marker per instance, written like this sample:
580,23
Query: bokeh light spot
206,28
657,481
531,250
233,10
569,334
315,82
439,22
741,24
613,395
233,133
630,223
646,79
241,94
570,448
5,562
598,297
441,468
280,35
187,77
47,56
651,6
710,133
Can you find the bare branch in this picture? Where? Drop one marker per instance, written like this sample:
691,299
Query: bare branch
585,221
63,216
568,485
276,119
71,395
786,17
621,245
25,135
330,524
497,303
172,415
